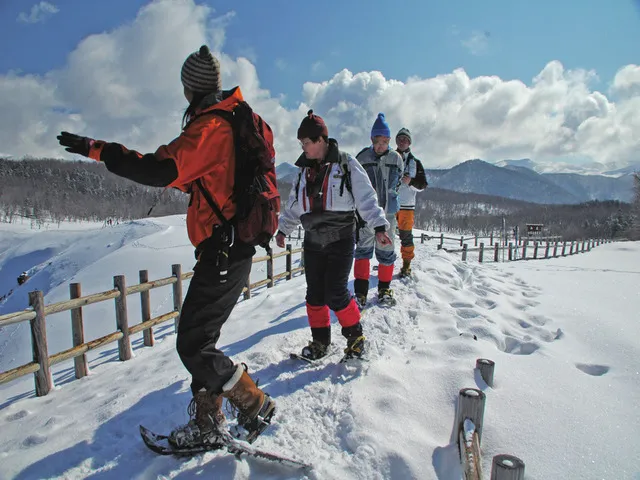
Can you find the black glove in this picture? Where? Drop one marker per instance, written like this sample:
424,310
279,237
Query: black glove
75,143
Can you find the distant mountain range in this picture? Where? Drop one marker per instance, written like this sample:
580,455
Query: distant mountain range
519,180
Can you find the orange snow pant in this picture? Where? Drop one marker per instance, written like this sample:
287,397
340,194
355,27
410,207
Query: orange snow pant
405,226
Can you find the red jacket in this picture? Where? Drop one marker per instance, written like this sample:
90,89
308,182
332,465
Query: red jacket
204,150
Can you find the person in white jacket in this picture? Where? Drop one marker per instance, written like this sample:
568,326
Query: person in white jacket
331,185
407,200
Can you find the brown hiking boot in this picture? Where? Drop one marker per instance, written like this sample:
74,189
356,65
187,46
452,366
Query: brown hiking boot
405,271
205,425
255,408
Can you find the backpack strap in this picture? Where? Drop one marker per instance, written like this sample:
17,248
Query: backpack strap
346,174
213,205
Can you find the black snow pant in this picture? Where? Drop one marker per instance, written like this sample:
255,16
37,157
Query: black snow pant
206,308
327,273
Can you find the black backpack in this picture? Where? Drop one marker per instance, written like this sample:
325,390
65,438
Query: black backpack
420,180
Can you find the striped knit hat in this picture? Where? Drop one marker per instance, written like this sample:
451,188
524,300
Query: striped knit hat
201,72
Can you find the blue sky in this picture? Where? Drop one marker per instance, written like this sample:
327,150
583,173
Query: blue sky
551,81
293,42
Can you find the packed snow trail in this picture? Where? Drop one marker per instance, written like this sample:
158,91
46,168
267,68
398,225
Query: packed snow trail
389,417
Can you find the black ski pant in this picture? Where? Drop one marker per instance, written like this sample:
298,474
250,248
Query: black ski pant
206,307
327,269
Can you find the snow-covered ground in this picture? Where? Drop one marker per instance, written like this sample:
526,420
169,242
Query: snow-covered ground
563,333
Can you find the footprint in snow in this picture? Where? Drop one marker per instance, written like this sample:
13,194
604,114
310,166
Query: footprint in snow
592,369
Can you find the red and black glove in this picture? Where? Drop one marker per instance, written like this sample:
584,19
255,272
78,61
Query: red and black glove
76,143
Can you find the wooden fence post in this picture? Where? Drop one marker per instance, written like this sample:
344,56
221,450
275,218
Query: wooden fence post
524,249
464,252
481,253
145,307
564,247
247,292
77,332
475,244
43,379
535,249
471,405
510,253
422,238
555,249
122,318
176,271
507,467
486,368
546,250
491,238
495,252
442,239
461,240
270,271
288,259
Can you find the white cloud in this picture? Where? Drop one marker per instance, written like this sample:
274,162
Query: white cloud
124,85
39,13
477,43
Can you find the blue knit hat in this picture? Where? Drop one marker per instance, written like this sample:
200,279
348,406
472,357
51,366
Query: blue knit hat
380,127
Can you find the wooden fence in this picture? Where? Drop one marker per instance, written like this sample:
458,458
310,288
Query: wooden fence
522,252
37,314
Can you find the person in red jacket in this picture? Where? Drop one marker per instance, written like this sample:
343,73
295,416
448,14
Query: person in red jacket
205,151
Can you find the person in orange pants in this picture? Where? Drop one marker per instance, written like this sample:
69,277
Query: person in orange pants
407,198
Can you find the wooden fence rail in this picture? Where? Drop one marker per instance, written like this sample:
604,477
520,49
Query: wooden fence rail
515,253
42,360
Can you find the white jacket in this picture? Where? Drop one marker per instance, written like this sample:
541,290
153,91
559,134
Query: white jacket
406,193
362,197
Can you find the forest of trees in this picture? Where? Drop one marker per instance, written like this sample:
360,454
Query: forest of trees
57,190
449,211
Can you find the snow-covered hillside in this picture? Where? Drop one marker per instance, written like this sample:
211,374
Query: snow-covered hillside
563,333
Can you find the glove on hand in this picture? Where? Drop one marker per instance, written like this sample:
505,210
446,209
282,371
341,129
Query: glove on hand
75,143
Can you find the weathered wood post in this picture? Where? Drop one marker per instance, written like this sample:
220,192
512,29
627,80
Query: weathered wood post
546,250
122,318
77,331
461,240
564,247
471,405
288,261
441,240
583,245
481,253
555,249
491,238
535,250
145,307
475,243
299,232
510,251
270,271
247,291
176,271
464,252
422,238
43,379
507,467
486,368
524,249
495,251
